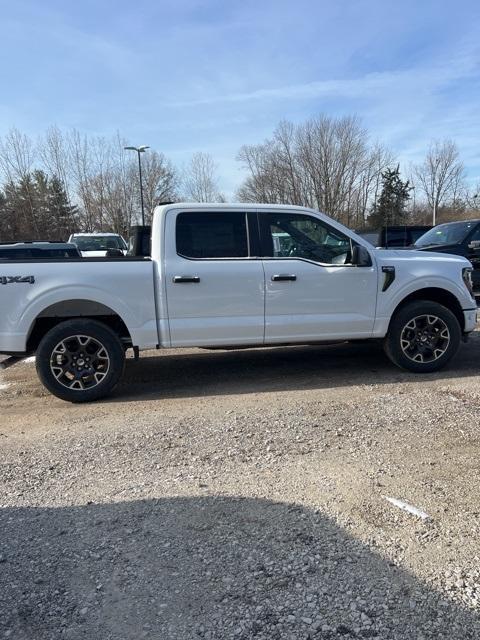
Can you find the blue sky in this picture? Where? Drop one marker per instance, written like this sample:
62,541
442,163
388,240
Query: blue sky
210,76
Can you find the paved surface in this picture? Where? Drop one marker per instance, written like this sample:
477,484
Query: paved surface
242,495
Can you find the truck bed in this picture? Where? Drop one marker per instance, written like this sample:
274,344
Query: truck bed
34,289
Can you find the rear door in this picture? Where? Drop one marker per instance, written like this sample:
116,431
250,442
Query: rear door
214,278
313,292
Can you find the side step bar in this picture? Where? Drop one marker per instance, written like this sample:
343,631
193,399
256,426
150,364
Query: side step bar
9,362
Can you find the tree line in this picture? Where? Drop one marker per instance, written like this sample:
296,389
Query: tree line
330,164
66,181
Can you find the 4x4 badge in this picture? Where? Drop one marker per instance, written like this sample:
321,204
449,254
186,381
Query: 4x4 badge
17,279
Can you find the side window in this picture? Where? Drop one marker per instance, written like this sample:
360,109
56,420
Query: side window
415,234
299,236
396,238
475,237
52,254
212,234
17,254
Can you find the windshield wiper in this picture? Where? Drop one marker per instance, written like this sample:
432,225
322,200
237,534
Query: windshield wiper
428,246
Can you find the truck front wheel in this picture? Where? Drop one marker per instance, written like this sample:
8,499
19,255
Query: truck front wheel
423,337
80,360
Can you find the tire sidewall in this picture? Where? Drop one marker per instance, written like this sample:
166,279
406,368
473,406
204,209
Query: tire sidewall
403,316
91,328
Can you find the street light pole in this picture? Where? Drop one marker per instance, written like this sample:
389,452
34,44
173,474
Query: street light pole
141,187
140,150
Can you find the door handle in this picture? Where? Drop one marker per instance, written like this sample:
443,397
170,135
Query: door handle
280,277
191,279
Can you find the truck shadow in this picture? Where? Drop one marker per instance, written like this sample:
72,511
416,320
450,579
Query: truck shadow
207,567
203,372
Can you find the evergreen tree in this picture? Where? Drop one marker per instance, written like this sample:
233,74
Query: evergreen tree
63,214
20,219
36,208
391,206
5,219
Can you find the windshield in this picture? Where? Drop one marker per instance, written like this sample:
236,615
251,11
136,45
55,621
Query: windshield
449,233
98,243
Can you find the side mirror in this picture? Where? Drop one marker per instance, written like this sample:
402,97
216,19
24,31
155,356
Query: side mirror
361,256
474,245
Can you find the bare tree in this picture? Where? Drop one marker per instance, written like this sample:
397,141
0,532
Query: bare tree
472,197
200,182
79,155
95,181
441,175
261,183
324,163
104,182
53,152
160,181
17,157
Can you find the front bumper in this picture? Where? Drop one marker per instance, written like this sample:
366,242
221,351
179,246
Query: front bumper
470,320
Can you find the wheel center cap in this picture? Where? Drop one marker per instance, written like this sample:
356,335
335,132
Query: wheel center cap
80,362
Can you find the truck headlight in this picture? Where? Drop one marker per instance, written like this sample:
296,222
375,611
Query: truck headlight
467,279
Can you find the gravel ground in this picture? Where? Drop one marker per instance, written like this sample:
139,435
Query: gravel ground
241,495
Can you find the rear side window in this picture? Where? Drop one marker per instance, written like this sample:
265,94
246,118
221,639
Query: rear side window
415,234
396,238
54,254
212,235
15,254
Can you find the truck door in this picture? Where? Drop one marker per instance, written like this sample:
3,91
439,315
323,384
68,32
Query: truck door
313,292
214,278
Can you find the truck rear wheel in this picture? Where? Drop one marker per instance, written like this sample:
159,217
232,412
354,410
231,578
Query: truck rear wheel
80,360
423,337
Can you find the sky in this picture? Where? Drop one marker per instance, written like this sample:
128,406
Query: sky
189,75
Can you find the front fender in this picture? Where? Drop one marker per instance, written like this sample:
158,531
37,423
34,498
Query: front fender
389,300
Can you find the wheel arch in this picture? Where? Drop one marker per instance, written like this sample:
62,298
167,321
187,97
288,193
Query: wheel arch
434,294
58,312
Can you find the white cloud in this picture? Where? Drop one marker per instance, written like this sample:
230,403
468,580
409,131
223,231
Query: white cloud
425,79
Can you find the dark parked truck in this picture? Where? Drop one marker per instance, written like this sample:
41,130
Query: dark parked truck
395,236
457,238
231,275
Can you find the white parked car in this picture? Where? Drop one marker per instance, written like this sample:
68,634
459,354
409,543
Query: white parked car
226,275
98,245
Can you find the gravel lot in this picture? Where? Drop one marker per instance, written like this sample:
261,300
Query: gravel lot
241,495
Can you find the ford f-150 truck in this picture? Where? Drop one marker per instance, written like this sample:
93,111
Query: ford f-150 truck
229,276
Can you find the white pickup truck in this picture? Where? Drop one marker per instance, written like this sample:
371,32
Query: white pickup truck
226,276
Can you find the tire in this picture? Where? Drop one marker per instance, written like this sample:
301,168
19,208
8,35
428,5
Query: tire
423,337
80,360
